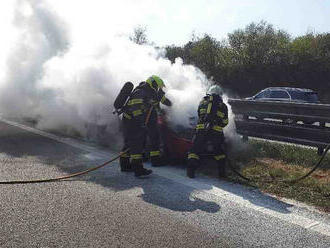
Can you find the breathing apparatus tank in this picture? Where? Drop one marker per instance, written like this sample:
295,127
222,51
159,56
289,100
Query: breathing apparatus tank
123,96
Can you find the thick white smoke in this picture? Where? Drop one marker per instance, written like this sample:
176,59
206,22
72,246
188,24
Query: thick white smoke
67,76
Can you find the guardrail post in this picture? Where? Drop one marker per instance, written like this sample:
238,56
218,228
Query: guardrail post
320,150
245,138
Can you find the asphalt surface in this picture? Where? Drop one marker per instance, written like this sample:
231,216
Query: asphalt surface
111,209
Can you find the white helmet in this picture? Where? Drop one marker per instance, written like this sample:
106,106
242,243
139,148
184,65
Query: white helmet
215,90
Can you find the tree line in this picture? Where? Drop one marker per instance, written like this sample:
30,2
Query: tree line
260,56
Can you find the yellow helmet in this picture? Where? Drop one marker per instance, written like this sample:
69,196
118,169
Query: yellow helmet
155,82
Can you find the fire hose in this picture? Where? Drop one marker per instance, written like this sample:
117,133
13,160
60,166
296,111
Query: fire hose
77,173
64,177
285,181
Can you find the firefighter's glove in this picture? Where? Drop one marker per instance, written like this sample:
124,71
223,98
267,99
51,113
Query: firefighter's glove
161,98
160,94
167,102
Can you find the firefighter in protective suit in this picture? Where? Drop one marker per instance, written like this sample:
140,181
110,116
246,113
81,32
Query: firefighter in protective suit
135,120
156,157
212,118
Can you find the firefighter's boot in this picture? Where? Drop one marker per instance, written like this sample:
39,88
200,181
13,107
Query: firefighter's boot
192,166
139,171
222,173
125,165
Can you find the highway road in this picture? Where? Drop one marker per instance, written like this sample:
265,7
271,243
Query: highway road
107,208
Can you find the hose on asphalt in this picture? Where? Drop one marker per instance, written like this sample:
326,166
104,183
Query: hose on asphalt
47,180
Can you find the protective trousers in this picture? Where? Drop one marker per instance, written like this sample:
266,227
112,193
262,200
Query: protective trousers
135,140
199,148
136,137
124,160
154,138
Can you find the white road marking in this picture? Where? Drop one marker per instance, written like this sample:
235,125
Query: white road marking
178,176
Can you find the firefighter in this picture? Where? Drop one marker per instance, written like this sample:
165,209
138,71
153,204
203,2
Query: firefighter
156,157
135,120
212,118
119,105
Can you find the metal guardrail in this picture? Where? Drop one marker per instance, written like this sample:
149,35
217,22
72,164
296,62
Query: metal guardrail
299,123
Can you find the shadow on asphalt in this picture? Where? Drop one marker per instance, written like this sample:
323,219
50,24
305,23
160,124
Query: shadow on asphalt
157,190
165,193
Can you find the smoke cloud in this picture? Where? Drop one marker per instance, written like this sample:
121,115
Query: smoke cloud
65,71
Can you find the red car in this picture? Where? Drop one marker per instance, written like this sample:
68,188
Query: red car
176,145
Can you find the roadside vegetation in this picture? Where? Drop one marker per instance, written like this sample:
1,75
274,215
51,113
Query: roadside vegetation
260,56
249,60
268,163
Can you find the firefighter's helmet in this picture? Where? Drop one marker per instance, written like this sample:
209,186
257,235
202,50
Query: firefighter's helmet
155,82
215,90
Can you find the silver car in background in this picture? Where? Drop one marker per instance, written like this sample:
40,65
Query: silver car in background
286,94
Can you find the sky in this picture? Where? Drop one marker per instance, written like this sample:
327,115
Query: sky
173,22
178,19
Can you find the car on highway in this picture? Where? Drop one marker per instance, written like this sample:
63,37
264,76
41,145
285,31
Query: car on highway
286,94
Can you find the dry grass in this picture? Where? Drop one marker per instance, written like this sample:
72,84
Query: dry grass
269,174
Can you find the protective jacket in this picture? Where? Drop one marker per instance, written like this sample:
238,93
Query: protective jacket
141,100
212,114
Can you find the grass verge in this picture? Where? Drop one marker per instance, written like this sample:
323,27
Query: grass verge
267,164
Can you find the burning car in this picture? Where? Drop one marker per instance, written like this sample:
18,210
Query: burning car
176,144
178,140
